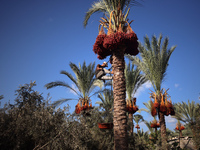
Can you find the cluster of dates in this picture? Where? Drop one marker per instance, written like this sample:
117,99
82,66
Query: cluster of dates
155,124
131,106
165,106
83,105
124,39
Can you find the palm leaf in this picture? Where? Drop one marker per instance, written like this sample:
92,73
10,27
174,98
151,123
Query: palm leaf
61,101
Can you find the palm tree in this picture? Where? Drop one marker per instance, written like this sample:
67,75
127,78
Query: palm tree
119,40
84,82
189,113
106,100
149,110
138,118
106,103
154,62
134,80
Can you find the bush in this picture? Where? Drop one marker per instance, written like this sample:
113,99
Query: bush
31,122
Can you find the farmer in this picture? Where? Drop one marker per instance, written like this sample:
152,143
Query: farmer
101,72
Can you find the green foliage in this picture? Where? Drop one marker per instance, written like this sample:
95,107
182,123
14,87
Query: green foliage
107,6
30,122
106,104
154,59
138,118
84,81
189,113
134,79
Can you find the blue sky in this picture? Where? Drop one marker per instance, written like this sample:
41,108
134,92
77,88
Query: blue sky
38,39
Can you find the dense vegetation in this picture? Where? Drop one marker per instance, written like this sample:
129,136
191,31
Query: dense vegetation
32,123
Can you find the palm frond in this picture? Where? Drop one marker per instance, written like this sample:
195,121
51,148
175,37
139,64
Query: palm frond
187,113
138,118
61,101
63,84
148,124
107,6
96,7
134,79
154,59
84,80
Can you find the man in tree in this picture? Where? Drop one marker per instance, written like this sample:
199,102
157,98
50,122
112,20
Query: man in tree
101,72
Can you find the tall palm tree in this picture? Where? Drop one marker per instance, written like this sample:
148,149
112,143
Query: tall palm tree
154,62
84,82
134,80
138,118
118,30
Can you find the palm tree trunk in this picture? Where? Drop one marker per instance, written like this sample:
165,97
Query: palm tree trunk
163,130
130,116
119,92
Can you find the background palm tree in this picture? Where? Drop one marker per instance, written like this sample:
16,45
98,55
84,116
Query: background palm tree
148,110
84,82
154,62
138,118
106,100
120,10
189,113
134,80
107,104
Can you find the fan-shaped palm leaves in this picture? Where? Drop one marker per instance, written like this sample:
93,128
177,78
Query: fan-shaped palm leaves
154,62
84,81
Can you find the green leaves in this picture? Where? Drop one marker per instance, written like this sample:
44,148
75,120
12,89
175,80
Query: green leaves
154,59
84,81
107,6
134,79
187,113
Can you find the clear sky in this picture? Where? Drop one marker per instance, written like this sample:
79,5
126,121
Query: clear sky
39,38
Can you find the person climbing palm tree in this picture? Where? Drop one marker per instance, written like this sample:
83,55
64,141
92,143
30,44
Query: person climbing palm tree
101,72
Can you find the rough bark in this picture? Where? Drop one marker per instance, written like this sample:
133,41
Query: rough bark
163,130
130,116
119,92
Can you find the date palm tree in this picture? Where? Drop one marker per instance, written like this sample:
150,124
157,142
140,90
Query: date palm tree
134,80
153,63
107,104
84,82
117,27
189,113
106,100
138,118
